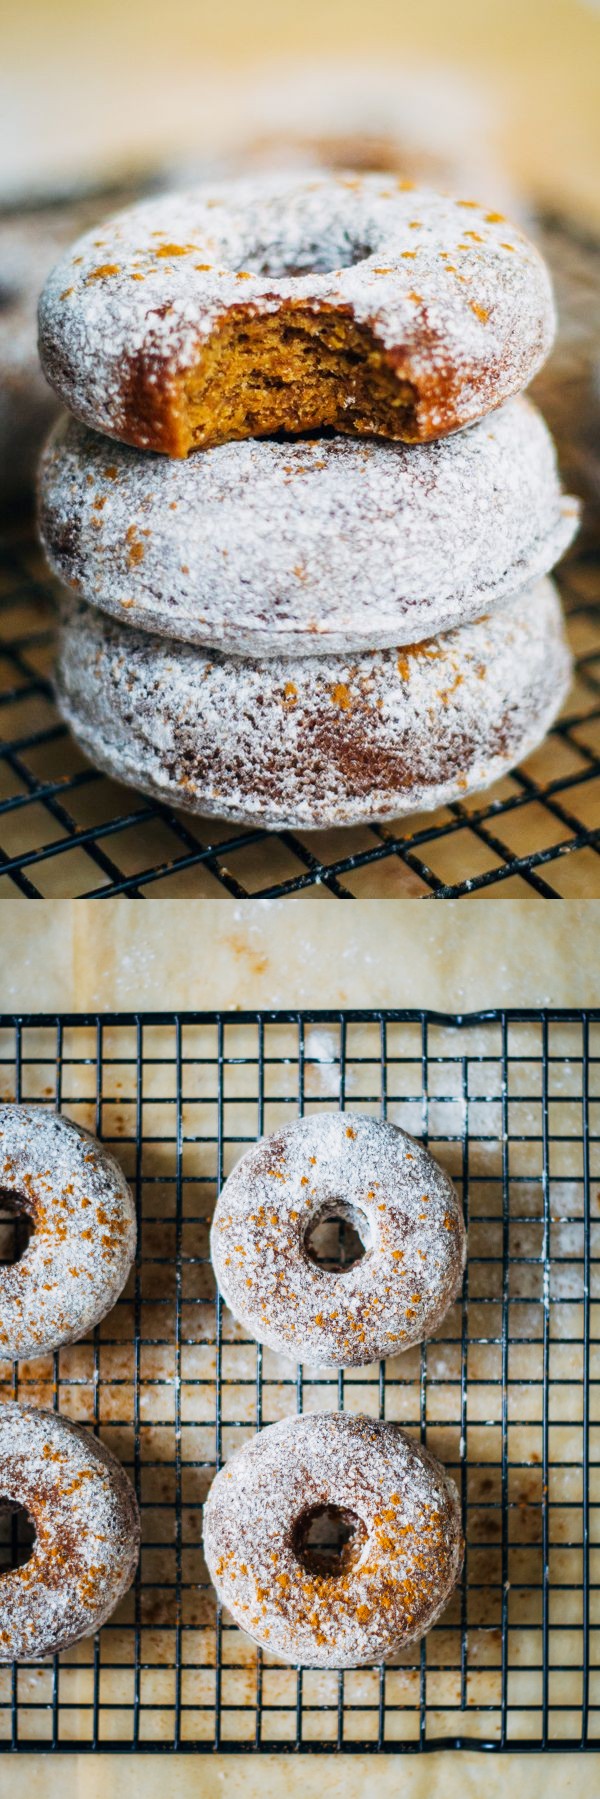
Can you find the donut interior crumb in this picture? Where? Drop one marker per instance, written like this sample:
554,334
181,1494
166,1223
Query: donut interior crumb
294,370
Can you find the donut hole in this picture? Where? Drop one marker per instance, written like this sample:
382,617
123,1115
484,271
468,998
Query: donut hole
301,368
329,1539
337,1237
16,1228
17,1535
313,258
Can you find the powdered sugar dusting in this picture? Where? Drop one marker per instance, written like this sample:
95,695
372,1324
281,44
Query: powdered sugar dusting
83,1241
411,1559
87,1533
264,548
303,741
461,300
398,1198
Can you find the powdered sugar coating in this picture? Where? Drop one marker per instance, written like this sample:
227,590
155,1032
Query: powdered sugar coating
315,741
87,1533
83,1242
400,1201
313,545
412,1541
459,301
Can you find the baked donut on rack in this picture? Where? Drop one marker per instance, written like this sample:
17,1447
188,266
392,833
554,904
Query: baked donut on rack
356,1479
74,1196
314,545
281,303
87,1533
315,741
403,1208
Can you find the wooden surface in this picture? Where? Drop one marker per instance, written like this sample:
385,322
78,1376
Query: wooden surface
280,953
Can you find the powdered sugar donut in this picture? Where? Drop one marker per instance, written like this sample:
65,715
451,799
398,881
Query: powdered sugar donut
327,544
283,303
315,741
87,1533
83,1243
401,1204
395,1503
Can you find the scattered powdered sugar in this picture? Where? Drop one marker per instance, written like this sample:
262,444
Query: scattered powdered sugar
315,741
411,1553
399,1200
312,545
87,1533
460,299
83,1242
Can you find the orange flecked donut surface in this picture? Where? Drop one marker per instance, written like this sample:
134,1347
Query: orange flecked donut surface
401,1204
397,1571
75,1196
87,1532
289,303
308,546
313,741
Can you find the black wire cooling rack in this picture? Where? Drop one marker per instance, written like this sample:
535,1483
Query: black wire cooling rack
506,1394
67,831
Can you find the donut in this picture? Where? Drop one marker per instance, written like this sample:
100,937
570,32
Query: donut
305,741
292,304
395,1504
87,1533
403,1208
310,545
75,1197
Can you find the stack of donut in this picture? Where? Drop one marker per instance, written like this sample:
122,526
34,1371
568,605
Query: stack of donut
303,516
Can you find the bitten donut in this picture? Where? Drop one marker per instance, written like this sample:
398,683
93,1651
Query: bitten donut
311,546
315,741
279,303
83,1242
403,1207
395,1503
87,1533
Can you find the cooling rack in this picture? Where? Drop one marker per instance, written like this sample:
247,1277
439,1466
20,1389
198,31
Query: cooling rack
67,831
506,1393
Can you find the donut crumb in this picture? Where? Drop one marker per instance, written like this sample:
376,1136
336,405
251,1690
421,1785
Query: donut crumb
298,369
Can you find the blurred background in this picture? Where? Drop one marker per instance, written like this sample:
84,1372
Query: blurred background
87,88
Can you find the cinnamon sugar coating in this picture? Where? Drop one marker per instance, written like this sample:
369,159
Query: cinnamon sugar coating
87,1533
315,741
410,1546
401,1203
286,302
314,545
84,1230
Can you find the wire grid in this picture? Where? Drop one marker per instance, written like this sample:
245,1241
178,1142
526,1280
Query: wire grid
506,1394
68,831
